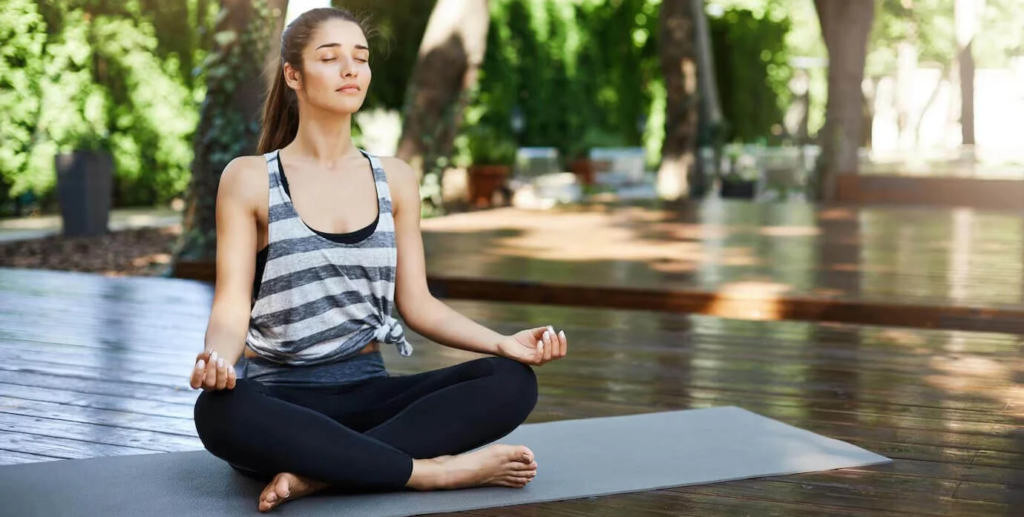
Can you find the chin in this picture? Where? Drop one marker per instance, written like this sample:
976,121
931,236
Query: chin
343,108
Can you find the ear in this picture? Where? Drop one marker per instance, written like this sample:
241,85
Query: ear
292,77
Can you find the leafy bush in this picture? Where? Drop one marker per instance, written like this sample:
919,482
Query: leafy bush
76,79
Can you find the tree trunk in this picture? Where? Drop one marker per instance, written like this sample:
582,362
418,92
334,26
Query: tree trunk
449,60
965,18
710,115
845,25
870,95
906,68
679,67
228,120
278,10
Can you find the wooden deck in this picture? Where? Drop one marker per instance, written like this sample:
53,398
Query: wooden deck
954,269
97,366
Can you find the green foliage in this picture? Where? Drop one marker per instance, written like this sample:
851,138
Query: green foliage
483,145
93,75
570,67
1000,38
752,72
927,24
23,31
238,58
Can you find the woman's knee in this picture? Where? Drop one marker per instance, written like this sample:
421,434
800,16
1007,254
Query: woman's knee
216,413
518,381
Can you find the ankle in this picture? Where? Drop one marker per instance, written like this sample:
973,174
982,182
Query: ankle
427,474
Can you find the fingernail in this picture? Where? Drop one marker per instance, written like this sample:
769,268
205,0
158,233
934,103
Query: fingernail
213,356
561,333
540,346
220,362
200,365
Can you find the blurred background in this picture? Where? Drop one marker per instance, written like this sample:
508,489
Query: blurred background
120,115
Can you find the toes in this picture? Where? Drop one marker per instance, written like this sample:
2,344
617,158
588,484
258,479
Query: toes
515,482
282,487
523,454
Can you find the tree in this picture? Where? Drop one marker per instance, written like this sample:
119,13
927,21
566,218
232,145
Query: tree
229,116
966,16
845,25
449,60
679,67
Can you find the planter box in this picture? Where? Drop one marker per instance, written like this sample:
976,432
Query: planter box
85,182
738,189
484,181
584,169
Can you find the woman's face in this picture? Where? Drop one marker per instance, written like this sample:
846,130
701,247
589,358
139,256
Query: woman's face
336,68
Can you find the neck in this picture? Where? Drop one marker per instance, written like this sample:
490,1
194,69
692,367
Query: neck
324,138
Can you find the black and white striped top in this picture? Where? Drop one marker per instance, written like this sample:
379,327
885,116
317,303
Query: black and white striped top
320,300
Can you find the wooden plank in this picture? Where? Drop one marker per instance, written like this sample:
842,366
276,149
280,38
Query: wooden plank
671,503
14,458
184,395
104,417
63,397
1010,495
97,434
887,497
62,447
715,303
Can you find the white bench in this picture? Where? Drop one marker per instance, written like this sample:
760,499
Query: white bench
625,165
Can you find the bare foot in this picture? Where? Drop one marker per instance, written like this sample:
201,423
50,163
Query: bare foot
287,487
497,465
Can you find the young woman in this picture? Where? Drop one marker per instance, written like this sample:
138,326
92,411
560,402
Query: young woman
309,268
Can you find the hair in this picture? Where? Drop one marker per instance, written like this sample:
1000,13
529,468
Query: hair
280,122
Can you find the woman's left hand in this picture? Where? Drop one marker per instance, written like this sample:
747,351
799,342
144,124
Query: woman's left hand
535,346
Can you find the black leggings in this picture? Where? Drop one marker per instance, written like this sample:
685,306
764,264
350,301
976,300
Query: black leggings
364,436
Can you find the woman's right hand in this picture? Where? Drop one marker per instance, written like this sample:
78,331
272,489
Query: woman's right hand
212,373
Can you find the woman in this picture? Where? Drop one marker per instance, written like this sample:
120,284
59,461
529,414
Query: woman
313,405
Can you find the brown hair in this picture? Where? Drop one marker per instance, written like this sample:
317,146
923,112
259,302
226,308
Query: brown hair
280,120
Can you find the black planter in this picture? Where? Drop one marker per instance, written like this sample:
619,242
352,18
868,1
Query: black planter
738,189
85,182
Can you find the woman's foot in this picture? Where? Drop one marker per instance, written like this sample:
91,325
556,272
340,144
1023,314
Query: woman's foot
287,487
498,465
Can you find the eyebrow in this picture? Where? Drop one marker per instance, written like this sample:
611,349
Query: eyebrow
358,47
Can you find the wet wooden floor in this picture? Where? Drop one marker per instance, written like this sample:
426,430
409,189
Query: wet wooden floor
96,366
925,267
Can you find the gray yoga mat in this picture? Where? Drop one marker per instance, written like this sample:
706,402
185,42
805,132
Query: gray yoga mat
576,458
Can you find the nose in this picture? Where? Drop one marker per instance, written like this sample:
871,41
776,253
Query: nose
348,68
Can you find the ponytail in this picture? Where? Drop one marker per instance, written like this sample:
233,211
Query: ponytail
280,121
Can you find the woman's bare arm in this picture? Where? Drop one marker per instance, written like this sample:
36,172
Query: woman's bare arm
242,186
421,311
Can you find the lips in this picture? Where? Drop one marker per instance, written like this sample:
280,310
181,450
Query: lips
349,88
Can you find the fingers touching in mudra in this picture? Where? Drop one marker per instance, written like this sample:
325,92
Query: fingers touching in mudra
535,346
212,372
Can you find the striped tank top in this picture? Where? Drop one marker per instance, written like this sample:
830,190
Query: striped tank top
320,300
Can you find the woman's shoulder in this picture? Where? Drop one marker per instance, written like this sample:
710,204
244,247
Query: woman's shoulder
402,179
245,176
397,170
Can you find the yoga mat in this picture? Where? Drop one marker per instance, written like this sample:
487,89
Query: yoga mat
576,458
